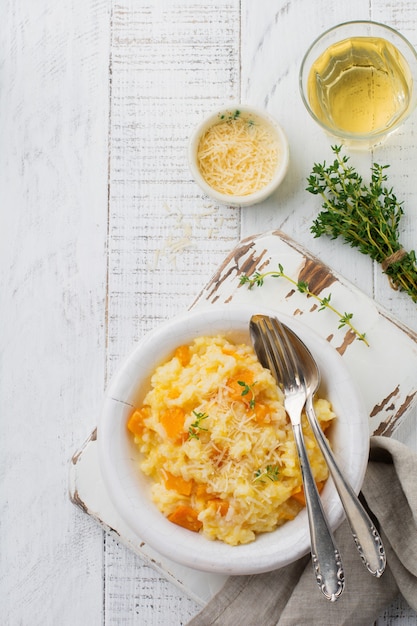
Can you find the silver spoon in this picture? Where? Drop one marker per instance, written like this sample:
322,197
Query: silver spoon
365,535
282,360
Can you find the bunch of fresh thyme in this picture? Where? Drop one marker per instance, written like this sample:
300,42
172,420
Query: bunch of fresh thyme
365,216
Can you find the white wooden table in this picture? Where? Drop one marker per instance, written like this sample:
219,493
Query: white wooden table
104,234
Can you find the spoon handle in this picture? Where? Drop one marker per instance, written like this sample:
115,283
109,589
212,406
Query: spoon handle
365,535
325,555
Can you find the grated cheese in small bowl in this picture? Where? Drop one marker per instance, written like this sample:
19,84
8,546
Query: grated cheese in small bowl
238,155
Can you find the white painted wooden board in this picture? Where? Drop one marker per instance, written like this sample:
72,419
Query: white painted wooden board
103,234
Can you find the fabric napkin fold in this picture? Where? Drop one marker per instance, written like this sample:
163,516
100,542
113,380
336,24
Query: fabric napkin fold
290,596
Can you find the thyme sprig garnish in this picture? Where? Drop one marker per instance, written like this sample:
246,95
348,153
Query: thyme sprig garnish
232,116
345,319
195,428
248,389
271,472
365,216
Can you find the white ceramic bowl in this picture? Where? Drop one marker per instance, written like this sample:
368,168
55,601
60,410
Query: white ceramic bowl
129,488
250,113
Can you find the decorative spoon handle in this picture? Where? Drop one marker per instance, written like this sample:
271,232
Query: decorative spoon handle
365,535
327,562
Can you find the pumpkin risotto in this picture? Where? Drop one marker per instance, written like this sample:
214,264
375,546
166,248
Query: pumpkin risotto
218,445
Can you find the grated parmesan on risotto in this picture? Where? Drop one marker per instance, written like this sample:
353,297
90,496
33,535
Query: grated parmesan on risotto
218,445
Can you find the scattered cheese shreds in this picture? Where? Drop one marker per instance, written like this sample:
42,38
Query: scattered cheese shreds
238,156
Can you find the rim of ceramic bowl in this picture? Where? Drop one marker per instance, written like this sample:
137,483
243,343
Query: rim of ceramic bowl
128,487
406,46
282,164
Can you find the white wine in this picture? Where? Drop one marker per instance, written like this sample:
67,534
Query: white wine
360,86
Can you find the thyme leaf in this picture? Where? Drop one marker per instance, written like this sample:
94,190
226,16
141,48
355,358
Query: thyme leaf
248,389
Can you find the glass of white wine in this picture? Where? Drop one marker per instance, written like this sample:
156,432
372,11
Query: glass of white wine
358,80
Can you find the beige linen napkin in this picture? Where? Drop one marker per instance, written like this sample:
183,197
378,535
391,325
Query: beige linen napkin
291,597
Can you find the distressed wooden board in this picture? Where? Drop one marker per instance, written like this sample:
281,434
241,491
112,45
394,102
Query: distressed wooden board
389,392
384,371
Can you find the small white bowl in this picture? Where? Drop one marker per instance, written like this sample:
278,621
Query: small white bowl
251,114
128,487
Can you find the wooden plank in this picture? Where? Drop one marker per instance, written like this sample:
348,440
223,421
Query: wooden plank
53,181
273,45
172,62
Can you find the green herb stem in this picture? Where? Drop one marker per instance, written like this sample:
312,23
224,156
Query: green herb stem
345,319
